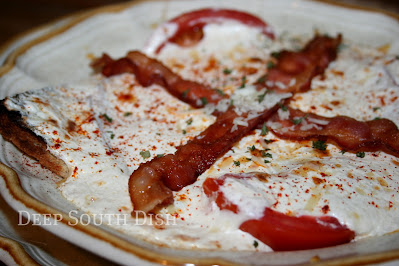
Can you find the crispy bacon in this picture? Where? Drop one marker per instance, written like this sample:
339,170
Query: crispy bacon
149,71
152,183
348,133
294,71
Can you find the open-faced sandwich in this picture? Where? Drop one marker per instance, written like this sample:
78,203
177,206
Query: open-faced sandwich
234,137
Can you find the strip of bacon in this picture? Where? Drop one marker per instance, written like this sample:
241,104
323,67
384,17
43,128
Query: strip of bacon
294,71
349,134
279,231
153,182
149,71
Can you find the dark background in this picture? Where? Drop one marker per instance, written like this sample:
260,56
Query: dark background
17,16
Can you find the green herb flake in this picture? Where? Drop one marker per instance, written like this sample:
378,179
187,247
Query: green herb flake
233,150
270,65
127,114
249,159
264,130
160,155
267,141
377,118
251,148
243,80
184,132
376,108
185,93
262,96
397,57
266,154
221,93
204,100
297,121
266,161
276,54
262,79
237,163
145,154
320,145
256,244
227,71
283,107
112,136
343,151
189,121
158,134
109,119
360,154
231,102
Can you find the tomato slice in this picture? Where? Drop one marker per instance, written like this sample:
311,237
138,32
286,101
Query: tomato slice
282,232
211,188
189,26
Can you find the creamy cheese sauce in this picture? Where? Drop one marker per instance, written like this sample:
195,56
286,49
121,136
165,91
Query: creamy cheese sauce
105,132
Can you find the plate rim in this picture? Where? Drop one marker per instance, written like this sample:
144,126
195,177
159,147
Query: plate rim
16,191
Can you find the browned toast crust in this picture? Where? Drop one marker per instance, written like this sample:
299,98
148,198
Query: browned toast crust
14,129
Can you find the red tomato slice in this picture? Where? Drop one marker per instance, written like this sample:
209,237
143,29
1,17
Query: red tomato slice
211,188
282,232
190,25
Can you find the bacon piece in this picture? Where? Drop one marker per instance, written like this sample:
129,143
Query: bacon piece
279,231
149,71
152,183
347,133
294,71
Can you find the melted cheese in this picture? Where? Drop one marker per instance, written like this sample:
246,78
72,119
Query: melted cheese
117,125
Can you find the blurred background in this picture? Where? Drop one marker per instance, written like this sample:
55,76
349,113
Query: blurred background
17,16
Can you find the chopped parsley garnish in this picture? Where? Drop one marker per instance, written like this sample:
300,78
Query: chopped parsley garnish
377,118
276,54
227,71
237,163
376,108
189,121
267,141
256,244
249,159
231,102
127,114
112,136
320,145
233,150
184,132
266,161
160,155
266,154
158,134
243,80
252,148
343,151
397,57
283,107
185,93
109,119
145,154
220,92
262,96
297,121
264,130
204,100
341,47
360,154
270,65
262,79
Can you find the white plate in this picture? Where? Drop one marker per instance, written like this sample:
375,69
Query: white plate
63,56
